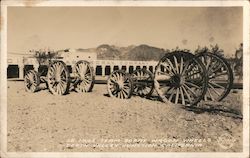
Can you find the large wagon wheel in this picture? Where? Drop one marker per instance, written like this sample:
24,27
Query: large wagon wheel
58,78
180,78
143,82
31,81
84,81
120,85
220,76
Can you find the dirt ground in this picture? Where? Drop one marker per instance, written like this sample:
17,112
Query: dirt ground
95,122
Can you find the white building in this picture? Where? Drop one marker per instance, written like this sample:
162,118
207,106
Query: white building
18,64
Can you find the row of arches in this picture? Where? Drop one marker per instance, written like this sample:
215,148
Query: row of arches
17,71
107,70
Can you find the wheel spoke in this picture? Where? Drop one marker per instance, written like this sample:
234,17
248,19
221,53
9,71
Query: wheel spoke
210,94
119,95
170,90
171,65
171,96
217,75
188,96
114,92
125,92
217,85
214,89
181,65
208,62
165,73
61,69
193,74
205,97
176,65
189,66
122,93
177,96
77,69
192,84
115,77
170,72
182,96
190,90
61,88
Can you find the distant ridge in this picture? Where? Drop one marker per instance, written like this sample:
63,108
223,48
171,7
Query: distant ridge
141,52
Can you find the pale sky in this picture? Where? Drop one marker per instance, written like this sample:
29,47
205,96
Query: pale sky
88,27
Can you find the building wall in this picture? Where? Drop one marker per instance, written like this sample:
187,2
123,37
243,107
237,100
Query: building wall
19,64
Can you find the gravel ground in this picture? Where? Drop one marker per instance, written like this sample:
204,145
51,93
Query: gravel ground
95,122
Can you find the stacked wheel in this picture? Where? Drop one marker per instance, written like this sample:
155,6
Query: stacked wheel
120,85
143,82
180,78
58,78
31,81
220,76
84,80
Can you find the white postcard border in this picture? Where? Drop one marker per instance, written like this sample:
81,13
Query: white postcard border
38,3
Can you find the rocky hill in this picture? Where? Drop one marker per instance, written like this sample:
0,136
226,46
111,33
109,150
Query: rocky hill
141,52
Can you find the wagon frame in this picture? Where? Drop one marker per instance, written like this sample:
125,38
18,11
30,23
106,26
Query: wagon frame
58,78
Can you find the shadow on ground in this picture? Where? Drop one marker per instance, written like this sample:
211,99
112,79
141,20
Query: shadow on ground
215,109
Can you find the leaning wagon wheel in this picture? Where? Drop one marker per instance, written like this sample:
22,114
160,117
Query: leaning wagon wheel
31,81
84,81
120,85
180,78
220,76
58,78
143,82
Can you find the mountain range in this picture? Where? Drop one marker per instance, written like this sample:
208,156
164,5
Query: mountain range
141,52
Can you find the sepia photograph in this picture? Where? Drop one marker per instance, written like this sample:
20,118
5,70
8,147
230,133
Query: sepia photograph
114,78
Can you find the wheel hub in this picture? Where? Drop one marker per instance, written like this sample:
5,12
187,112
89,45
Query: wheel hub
58,77
119,85
177,80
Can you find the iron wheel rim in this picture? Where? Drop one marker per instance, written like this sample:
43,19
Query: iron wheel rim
120,85
31,81
85,77
58,78
180,78
219,72
143,82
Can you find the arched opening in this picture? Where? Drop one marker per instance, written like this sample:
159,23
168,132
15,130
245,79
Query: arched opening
124,68
162,68
69,67
131,69
138,67
12,71
151,69
98,70
27,68
43,69
116,68
107,70
144,67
